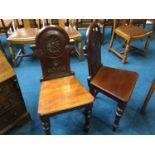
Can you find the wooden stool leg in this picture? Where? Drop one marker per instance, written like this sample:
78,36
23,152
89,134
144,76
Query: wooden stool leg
46,124
148,98
119,112
12,53
112,40
126,52
87,113
147,45
80,54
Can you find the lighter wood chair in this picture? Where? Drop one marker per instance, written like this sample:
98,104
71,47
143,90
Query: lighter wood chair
60,91
129,33
152,88
5,26
74,36
21,36
115,83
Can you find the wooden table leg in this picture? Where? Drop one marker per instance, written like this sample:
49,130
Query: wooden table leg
148,97
147,45
46,124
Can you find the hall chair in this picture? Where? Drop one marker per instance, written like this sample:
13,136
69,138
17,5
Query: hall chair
129,33
23,34
115,83
152,88
60,91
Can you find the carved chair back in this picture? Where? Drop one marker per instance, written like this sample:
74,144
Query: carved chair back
52,49
93,48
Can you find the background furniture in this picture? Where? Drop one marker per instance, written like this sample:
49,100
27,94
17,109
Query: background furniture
74,36
83,23
12,106
60,91
129,33
152,88
5,25
115,83
21,36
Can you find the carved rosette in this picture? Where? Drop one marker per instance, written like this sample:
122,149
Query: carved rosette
53,47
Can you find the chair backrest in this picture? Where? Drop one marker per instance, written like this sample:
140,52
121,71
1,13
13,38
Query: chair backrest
52,48
93,48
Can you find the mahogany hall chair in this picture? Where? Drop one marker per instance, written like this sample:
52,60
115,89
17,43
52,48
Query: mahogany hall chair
23,34
60,91
115,83
129,33
152,88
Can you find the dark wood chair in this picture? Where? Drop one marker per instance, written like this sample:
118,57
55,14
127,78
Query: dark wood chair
129,33
114,83
60,91
152,88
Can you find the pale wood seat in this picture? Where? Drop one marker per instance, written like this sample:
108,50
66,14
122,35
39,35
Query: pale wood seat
26,35
60,91
131,31
62,94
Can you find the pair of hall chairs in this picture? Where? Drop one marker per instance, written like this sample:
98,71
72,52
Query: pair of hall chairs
60,91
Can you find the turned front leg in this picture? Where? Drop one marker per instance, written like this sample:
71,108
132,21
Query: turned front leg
46,124
119,112
87,113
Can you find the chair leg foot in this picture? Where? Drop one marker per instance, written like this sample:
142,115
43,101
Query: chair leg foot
46,124
119,112
124,60
87,113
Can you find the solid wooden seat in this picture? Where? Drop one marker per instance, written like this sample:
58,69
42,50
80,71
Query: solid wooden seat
62,94
129,33
26,35
115,83
132,32
60,91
